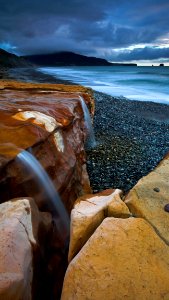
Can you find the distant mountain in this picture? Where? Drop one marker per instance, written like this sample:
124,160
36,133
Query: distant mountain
68,59
9,60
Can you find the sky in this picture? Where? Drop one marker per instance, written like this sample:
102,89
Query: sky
117,30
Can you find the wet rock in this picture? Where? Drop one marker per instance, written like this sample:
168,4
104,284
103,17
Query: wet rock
123,259
48,120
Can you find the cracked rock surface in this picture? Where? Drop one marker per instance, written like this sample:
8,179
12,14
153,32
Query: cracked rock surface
121,258
88,213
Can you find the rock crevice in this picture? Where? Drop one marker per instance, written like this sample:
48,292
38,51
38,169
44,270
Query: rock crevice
118,244
122,257
48,121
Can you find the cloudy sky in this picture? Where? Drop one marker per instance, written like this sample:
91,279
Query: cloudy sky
118,30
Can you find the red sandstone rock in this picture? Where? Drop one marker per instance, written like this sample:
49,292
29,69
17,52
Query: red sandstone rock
51,124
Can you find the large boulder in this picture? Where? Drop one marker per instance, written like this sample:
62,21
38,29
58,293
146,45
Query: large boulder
123,259
88,213
149,197
19,226
48,120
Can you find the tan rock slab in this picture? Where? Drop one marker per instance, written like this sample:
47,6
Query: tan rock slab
123,259
149,196
88,213
18,229
117,208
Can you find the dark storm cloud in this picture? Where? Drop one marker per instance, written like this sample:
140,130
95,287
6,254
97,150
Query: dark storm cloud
147,53
92,28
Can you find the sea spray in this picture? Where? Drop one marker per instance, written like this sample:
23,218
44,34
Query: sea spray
91,141
45,184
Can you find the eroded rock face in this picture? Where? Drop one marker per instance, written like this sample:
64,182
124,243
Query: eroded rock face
86,93
19,225
51,124
48,121
123,259
88,213
149,196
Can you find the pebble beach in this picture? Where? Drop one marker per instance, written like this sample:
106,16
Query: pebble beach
132,136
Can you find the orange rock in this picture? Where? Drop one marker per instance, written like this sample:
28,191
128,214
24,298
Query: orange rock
123,259
86,93
149,196
48,119
88,213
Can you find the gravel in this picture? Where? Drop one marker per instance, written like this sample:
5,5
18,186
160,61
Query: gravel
132,137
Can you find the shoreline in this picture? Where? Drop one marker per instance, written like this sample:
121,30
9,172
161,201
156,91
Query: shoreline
132,136
30,75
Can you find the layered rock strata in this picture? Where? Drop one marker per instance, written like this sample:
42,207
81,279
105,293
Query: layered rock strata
49,121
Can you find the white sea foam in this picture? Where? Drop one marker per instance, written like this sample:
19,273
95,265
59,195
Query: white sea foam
135,83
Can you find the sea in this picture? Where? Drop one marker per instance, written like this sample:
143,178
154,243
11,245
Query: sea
134,83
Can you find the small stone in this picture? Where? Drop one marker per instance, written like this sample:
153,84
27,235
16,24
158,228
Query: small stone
166,207
156,189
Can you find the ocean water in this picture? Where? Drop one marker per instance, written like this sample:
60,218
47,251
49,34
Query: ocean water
135,83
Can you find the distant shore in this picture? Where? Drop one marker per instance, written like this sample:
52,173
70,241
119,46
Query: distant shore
132,136
30,75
